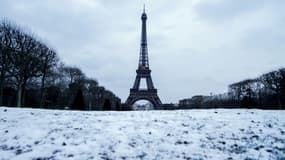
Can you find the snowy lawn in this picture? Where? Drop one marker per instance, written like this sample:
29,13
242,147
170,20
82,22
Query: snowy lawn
183,134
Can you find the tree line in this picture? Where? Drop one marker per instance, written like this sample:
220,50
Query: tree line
266,92
32,75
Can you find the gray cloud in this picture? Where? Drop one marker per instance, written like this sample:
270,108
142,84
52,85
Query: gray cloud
195,47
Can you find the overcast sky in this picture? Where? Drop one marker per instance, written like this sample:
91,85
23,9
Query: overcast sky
195,46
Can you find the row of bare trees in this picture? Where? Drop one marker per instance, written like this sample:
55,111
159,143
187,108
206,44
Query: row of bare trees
32,75
268,90
265,92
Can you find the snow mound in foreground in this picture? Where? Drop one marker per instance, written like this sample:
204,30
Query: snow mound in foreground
182,134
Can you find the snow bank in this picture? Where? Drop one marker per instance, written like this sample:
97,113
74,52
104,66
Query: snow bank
182,134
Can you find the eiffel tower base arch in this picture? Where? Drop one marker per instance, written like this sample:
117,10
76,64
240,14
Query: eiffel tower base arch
150,95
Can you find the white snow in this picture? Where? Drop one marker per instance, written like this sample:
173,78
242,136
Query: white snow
183,134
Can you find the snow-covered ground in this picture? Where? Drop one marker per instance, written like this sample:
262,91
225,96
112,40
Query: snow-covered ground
183,134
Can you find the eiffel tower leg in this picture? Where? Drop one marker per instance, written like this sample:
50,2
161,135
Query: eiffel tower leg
149,83
137,82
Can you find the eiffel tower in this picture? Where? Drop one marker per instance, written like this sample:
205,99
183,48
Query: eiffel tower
143,72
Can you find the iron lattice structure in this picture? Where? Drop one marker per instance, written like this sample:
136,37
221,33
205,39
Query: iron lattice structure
143,72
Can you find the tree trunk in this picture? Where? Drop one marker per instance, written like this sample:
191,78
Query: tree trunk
1,91
2,81
42,103
42,92
19,96
23,103
279,101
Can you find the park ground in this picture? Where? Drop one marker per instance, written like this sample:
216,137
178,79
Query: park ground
232,134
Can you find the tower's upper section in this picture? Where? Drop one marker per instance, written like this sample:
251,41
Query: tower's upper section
144,17
143,60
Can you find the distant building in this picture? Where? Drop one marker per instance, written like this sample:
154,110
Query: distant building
194,102
169,106
202,101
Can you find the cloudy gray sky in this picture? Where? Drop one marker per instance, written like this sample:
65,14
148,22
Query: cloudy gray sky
195,46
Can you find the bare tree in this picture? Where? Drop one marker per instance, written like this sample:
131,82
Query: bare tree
4,63
274,82
25,62
91,86
245,91
235,90
74,74
7,48
49,60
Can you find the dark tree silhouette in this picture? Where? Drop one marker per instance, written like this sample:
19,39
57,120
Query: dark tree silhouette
49,60
118,106
107,105
78,103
